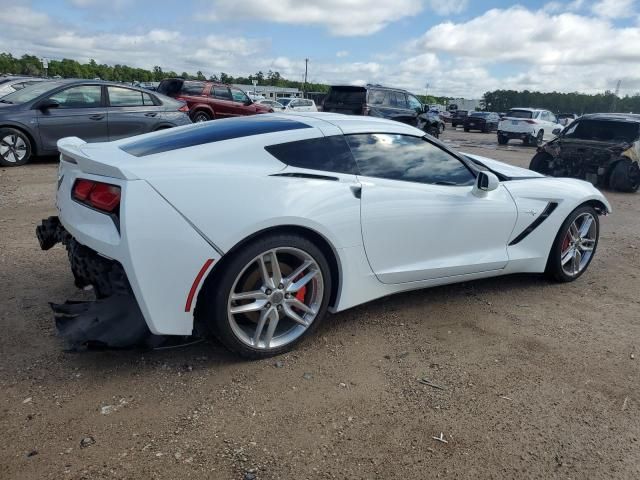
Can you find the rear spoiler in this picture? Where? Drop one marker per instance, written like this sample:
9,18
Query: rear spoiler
95,158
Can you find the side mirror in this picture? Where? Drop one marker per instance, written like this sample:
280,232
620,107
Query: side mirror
485,182
47,104
556,131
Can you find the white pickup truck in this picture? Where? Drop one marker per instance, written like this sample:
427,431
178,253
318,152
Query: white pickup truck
531,125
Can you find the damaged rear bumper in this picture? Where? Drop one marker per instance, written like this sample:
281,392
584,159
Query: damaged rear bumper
112,320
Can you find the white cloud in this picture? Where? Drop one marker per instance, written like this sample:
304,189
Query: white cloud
342,54
342,18
535,38
614,8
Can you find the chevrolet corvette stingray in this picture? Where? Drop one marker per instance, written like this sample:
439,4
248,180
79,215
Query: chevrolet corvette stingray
251,229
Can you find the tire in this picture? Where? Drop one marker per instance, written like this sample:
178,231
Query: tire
538,140
625,176
484,129
241,274
502,139
15,148
562,247
441,128
466,129
540,163
201,116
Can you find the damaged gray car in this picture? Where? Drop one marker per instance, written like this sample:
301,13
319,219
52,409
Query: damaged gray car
602,148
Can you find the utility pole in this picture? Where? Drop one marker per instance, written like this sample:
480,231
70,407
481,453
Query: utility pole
615,96
306,69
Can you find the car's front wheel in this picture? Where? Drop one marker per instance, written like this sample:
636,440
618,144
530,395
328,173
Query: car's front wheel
15,147
574,245
625,176
270,295
540,163
502,139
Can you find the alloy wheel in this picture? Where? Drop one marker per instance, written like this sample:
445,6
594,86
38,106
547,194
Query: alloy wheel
578,244
275,298
13,148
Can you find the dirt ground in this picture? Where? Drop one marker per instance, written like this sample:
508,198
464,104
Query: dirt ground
538,380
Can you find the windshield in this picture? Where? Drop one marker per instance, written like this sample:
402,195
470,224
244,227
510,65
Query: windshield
520,113
479,114
603,131
347,95
284,101
29,93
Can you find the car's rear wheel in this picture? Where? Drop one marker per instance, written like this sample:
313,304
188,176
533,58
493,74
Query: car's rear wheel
15,147
540,163
502,139
200,117
538,139
272,294
574,245
466,129
441,128
625,176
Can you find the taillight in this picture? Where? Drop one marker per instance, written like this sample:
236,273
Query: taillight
531,121
184,108
101,196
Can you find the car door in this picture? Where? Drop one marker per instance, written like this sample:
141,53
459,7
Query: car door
81,112
554,124
420,219
223,106
241,103
402,112
130,112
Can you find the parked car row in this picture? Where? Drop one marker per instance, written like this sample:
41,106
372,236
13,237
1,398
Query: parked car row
34,118
383,102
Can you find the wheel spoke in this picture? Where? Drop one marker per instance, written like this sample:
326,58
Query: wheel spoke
249,307
297,272
255,295
274,318
20,144
587,245
577,258
294,302
294,316
10,156
266,279
297,285
276,275
261,322
586,225
574,232
567,255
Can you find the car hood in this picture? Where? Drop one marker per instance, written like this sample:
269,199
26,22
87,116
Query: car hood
502,168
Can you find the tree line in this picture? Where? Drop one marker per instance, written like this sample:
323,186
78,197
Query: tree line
497,101
580,103
67,68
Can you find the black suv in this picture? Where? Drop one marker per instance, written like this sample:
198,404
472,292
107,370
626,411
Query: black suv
602,148
384,102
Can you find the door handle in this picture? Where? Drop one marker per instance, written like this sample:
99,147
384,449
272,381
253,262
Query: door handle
150,114
97,116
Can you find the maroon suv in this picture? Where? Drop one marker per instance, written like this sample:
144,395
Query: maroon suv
209,100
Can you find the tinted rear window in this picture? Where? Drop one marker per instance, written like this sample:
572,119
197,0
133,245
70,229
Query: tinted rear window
519,114
209,132
329,154
346,95
192,88
603,130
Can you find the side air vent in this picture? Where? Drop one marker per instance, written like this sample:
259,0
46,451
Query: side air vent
551,206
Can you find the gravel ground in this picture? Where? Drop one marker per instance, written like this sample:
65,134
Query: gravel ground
537,380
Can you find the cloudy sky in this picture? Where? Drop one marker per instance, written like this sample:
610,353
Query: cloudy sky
458,47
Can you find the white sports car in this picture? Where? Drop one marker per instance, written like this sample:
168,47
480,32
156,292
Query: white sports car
251,228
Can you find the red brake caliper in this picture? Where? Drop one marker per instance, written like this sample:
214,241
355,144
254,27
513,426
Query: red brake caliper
302,293
565,242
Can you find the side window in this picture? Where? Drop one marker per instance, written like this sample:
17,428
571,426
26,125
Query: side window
83,96
407,158
192,88
239,95
376,97
414,103
552,118
221,92
328,154
399,100
125,97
